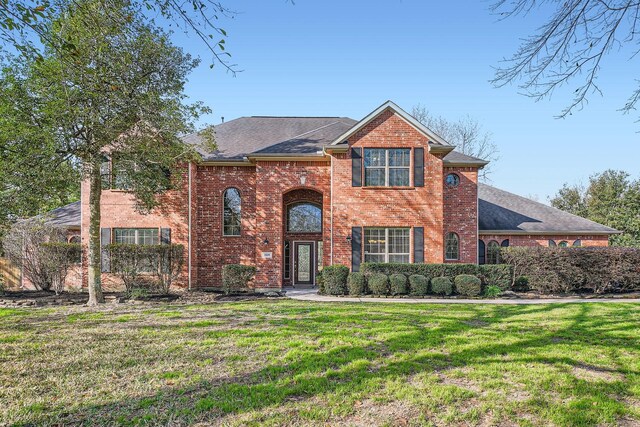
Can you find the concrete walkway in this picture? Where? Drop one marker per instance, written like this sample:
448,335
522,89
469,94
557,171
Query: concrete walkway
312,295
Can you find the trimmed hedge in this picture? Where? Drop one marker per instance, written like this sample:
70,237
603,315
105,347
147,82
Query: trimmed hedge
468,285
576,269
236,277
398,284
441,286
378,284
418,285
334,279
499,275
357,284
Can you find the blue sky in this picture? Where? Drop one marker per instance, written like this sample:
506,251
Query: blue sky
344,58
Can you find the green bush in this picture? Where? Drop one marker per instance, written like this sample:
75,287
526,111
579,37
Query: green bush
418,285
521,284
499,275
320,283
378,284
492,291
577,269
468,285
398,284
334,278
357,284
441,286
236,277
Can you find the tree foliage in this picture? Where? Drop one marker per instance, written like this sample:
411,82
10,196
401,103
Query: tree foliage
466,134
123,96
24,24
570,46
611,198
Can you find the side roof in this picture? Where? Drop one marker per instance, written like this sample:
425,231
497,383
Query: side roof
502,212
67,216
244,136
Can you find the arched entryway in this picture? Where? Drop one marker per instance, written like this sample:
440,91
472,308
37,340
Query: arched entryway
302,236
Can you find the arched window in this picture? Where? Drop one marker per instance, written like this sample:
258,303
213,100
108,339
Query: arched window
563,244
505,243
482,253
552,243
74,239
452,247
304,217
577,243
493,252
232,212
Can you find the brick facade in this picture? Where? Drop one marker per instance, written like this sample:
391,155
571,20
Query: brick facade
267,187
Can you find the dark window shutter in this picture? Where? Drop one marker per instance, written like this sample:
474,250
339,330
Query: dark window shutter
418,167
356,248
356,167
505,243
418,245
105,239
165,236
481,252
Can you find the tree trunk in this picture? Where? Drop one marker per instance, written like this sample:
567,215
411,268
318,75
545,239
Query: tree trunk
95,191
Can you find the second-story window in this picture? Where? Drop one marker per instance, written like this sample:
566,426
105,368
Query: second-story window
387,167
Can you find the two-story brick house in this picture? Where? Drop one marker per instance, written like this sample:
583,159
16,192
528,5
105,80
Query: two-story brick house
293,194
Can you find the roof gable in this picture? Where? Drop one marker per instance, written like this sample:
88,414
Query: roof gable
390,105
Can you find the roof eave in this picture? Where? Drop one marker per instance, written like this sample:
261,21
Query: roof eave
318,156
549,232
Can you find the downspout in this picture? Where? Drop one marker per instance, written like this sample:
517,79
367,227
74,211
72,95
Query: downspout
331,214
189,255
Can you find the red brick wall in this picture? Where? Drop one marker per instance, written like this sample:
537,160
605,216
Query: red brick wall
273,180
529,241
461,212
213,250
388,207
118,211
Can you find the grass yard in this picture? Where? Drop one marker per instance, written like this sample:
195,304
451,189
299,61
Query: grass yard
278,362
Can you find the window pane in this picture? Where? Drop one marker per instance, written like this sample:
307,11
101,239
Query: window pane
287,259
399,157
404,259
493,253
125,236
374,242
304,218
399,177
373,258
452,247
399,241
320,254
374,157
148,236
232,212
374,177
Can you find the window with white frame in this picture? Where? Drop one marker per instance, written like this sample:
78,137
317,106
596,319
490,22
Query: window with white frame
387,245
387,167
136,236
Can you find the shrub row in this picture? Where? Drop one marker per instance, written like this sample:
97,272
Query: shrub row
336,280
490,275
236,277
576,269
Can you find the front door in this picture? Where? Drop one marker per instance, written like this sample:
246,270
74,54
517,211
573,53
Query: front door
303,263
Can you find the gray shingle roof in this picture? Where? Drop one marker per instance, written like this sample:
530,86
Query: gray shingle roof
268,135
457,158
499,210
67,216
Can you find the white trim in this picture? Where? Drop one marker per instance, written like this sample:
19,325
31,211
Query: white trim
331,215
400,112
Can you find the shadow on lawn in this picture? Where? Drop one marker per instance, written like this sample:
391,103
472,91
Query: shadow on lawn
410,344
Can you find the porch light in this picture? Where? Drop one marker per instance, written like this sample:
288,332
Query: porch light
265,241
348,238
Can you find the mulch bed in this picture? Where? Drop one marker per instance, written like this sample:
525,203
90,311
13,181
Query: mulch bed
49,298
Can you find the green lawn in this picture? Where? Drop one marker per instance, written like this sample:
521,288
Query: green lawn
286,362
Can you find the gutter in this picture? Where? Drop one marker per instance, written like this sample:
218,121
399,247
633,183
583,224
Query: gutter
189,254
547,233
